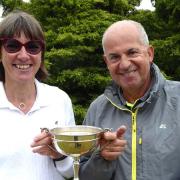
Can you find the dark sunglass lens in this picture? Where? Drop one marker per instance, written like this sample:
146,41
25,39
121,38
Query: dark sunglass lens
33,47
12,46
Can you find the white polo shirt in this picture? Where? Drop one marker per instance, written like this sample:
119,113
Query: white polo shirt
17,131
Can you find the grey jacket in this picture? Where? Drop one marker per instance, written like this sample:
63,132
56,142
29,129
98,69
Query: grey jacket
153,133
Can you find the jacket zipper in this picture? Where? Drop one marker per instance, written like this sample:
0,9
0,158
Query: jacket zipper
134,145
134,138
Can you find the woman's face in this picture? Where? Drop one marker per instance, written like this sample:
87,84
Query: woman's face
20,66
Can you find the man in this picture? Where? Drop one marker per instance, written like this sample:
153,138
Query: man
140,98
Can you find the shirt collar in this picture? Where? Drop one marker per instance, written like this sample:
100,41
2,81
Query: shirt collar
42,99
42,96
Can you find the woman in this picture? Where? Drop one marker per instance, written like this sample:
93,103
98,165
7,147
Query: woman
27,105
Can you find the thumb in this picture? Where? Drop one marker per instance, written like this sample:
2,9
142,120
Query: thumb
120,131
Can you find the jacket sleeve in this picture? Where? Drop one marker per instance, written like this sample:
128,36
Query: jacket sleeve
95,166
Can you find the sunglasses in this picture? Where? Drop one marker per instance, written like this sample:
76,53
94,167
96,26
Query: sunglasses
13,45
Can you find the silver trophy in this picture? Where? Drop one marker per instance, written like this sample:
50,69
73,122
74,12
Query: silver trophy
75,141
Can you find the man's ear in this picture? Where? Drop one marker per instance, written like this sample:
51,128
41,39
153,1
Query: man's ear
105,58
151,53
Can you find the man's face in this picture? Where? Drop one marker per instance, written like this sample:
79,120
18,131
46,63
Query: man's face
128,60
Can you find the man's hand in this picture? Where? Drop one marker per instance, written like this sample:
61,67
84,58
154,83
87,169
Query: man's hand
113,144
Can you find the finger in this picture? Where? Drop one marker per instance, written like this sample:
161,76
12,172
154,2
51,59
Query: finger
41,149
116,145
114,149
109,136
113,135
45,141
112,152
110,155
41,136
46,151
121,131
46,130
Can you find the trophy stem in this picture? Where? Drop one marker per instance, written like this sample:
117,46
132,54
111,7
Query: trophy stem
76,168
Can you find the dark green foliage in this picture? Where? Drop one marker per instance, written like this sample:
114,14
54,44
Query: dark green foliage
79,112
169,12
167,53
74,29
149,20
9,5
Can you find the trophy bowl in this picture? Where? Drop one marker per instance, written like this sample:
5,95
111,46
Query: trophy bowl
75,141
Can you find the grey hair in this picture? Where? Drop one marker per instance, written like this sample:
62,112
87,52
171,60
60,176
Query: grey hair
142,33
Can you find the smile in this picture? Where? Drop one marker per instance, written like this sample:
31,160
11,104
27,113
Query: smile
22,66
127,72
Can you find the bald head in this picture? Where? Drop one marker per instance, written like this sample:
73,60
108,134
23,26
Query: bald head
128,27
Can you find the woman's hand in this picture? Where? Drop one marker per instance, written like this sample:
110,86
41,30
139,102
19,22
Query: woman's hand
42,144
113,144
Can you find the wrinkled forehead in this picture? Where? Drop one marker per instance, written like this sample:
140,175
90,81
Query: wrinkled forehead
121,31
122,40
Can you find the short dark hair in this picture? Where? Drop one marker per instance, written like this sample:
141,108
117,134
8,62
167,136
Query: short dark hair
15,23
